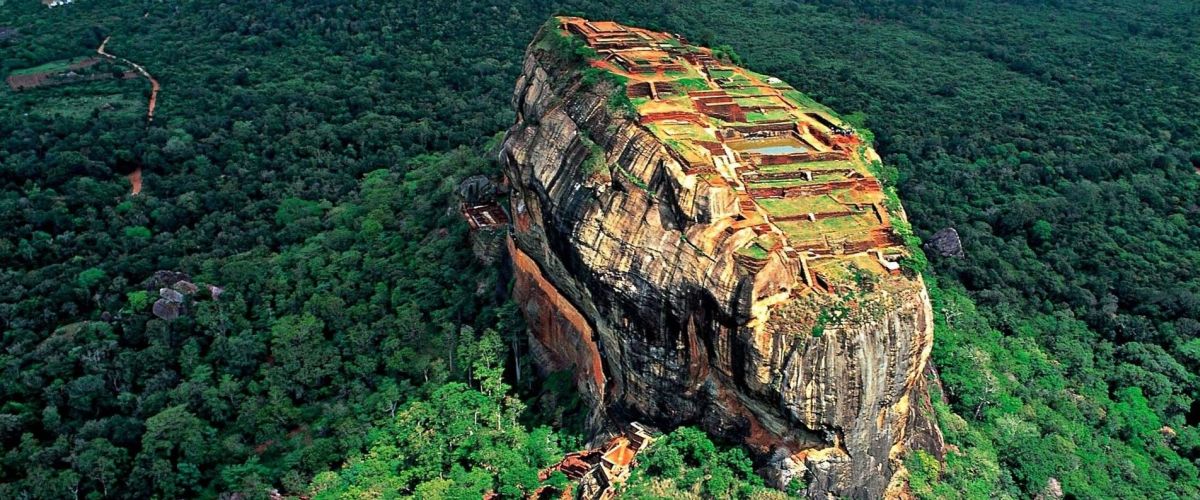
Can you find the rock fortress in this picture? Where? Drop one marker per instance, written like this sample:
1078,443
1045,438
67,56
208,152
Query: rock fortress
705,245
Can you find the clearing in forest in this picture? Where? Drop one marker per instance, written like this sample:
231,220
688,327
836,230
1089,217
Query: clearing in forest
65,71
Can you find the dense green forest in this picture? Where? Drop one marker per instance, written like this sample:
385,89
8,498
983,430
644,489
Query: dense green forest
303,157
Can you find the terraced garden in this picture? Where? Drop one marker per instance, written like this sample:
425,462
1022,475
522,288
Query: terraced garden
798,171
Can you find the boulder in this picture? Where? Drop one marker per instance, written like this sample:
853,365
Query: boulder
166,310
185,287
945,243
782,469
477,189
170,295
167,279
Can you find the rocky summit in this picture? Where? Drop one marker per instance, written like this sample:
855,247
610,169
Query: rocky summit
706,245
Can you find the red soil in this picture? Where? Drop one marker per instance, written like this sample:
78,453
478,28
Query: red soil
135,179
154,86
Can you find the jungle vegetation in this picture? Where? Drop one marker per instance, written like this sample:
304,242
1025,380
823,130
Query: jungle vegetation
303,158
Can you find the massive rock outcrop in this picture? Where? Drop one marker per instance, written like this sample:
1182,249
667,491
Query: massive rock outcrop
692,266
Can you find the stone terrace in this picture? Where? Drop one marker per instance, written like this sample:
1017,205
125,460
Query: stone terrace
800,175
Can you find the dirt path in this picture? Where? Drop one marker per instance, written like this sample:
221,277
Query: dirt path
135,178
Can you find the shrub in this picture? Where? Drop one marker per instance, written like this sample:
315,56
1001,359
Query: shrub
90,277
137,233
138,300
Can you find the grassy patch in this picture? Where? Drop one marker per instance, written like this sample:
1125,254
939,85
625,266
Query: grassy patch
811,165
746,92
779,84
805,230
818,178
755,100
772,116
50,67
564,45
721,73
83,106
777,183
754,251
692,83
678,146
689,131
115,97
796,206
804,101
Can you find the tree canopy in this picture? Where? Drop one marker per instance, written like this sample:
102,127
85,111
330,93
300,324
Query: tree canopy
302,160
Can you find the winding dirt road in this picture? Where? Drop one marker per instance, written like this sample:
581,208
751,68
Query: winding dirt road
135,178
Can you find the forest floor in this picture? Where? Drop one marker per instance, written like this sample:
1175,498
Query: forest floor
135,177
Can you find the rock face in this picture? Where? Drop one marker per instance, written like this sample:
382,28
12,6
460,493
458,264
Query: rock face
631,274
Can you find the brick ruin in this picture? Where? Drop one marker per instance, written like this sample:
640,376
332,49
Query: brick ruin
487,219
598,471
801,175
485,216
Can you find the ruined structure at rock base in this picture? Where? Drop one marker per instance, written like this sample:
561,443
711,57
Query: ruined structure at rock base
487,220
706,246
599,471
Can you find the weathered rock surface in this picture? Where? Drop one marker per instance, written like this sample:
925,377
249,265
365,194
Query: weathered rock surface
1052,491
945,243
477,189
166,309
634,284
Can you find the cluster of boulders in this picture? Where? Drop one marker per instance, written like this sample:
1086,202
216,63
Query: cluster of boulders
174,291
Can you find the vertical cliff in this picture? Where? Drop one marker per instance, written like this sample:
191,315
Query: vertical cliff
703,245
